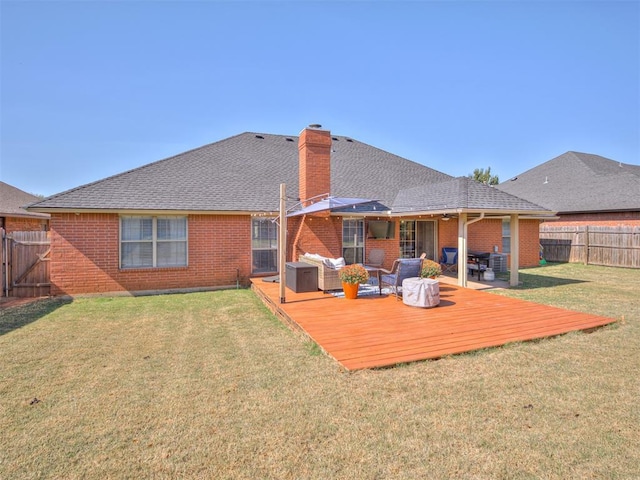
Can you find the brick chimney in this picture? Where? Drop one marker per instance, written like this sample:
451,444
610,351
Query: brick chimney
314,166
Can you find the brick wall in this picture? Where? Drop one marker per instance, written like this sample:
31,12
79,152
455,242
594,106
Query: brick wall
529,244
604,219
487,233
319,234
22,224
85,250
447,234
85,255
484,235
391,248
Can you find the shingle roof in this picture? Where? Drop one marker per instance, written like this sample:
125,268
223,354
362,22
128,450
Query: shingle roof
12,201
461,193
579,182
243,173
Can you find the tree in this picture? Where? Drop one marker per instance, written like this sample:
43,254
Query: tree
484,176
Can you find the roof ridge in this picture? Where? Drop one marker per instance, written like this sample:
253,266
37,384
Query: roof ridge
599,164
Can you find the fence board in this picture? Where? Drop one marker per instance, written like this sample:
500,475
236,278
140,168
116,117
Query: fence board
616,246
27,259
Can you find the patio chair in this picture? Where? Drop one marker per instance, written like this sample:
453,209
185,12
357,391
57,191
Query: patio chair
401,269
375,258
449,259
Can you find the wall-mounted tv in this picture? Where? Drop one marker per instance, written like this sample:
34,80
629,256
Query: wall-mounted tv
381,229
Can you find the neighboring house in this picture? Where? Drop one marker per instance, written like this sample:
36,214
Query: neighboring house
583,189
597,201
13,216
207,217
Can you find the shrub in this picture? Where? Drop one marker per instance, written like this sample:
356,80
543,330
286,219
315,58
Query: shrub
353,274
430,269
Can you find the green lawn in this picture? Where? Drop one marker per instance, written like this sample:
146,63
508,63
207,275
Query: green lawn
211,385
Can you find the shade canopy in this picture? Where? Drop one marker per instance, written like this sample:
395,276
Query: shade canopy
329,203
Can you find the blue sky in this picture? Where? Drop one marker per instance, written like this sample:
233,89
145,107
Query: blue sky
92,89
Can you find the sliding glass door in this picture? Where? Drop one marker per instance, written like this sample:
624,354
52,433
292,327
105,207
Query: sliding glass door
418,237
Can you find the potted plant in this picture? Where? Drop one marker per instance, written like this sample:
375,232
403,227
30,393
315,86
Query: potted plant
351,277
430,269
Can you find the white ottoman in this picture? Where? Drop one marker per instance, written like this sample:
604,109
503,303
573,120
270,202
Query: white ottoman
421,292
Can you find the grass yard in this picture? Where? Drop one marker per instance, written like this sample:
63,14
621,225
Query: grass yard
211,385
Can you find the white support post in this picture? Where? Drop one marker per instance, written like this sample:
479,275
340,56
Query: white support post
282,243
462,249
515,251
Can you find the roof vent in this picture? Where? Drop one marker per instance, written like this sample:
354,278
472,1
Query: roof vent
260,137
349,140
334,139
289,139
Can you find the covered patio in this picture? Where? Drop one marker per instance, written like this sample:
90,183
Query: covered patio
379,331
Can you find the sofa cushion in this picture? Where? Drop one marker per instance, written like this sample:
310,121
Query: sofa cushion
334,263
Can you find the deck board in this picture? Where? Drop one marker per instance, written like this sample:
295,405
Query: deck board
379,331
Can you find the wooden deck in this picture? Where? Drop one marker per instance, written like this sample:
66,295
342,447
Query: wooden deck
378,331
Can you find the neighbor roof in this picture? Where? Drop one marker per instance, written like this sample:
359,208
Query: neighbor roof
12,201
579,182
243,173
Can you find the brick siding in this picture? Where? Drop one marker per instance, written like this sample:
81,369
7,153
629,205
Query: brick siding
529,244
23,224
320,234
85,255
484,235
85,250
604,219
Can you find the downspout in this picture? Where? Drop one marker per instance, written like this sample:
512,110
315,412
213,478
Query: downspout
465,232
473,221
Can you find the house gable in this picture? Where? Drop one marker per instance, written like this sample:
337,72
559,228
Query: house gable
13,215
579,182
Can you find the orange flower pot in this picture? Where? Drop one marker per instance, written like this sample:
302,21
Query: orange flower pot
350,290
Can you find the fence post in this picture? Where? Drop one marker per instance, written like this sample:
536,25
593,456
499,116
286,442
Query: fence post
586,244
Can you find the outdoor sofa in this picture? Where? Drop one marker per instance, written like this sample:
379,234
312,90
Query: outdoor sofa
327,270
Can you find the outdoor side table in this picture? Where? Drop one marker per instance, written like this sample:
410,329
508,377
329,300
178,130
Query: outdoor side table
421,292
302,277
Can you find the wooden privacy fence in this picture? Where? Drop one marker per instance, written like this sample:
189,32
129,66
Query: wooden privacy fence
614,246
25,264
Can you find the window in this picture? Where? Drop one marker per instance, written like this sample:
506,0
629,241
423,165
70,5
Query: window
506,235
353,241
407,239
147,242
264,245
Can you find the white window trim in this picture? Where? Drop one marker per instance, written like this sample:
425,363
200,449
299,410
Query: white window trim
264,249
506,248
154,241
